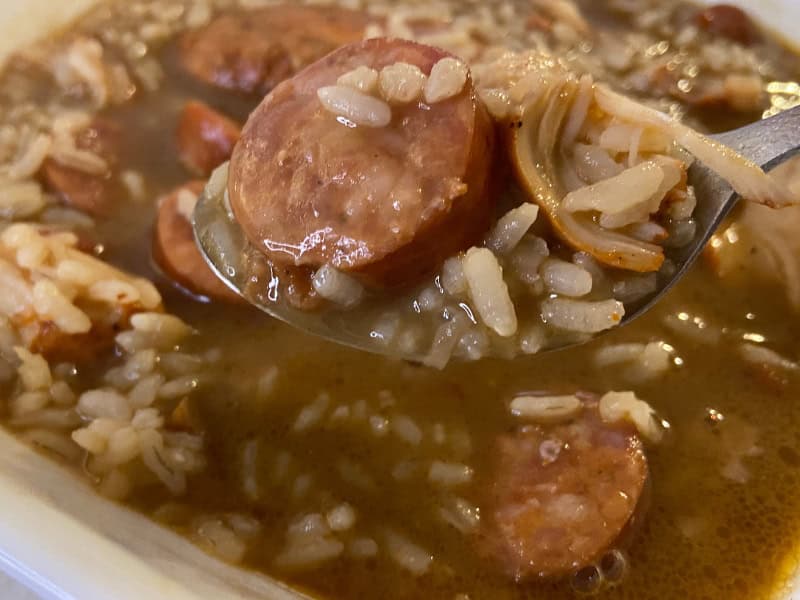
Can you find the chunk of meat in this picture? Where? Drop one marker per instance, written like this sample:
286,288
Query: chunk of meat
741,93
52,343
182,417
69,306
254,51
175,251
89,192
388,204
45,338
205,138
726,20
561,495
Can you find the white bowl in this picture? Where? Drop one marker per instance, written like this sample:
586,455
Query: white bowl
62,540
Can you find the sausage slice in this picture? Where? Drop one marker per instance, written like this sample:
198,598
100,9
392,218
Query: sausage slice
91,193
388,203
205,138
562,494
728,21
174,248
254,51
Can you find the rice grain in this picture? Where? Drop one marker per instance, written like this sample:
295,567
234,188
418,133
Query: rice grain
625,406
364,79
336,286
406,429
311,416
511,227
489,291
565,279
447,79
408,555
447,474
341,517
582,317
546,409
354,106
104,403
401,83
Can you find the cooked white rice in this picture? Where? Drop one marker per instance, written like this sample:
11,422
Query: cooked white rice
625,406
401,83
581,316
546,409
489,291
447,79
408,555
336,286
364,79
355,107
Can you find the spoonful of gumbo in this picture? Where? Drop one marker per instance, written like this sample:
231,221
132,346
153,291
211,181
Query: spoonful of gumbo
389,199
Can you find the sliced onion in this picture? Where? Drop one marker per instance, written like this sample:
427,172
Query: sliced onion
672,171
594,164
630,189
744,176
536,155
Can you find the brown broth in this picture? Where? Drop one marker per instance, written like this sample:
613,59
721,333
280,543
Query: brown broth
704,536
748,531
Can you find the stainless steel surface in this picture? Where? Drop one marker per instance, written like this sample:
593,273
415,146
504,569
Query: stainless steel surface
246,272
767,143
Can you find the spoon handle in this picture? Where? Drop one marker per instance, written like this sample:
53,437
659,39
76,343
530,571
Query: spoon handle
766,141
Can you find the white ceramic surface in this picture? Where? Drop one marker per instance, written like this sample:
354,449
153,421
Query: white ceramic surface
63,541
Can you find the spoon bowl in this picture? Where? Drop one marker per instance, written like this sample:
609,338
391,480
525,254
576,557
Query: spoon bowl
246,271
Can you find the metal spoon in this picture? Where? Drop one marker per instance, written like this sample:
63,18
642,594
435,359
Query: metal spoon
768,143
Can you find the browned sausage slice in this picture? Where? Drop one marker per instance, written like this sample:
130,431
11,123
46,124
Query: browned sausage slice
175,251
254,51
562,494
387,203
205,138
91,193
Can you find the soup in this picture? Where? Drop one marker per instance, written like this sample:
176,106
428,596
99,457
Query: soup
344,473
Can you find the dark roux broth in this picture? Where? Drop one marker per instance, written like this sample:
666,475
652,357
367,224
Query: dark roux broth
703,535
745,534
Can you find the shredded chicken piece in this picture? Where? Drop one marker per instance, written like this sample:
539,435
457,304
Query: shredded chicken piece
573,144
